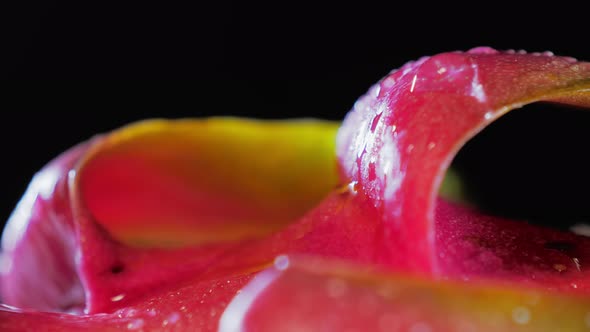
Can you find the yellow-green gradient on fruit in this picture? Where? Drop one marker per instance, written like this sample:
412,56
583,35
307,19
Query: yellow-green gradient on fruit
307,294
178,182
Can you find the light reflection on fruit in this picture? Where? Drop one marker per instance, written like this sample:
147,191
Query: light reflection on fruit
174,225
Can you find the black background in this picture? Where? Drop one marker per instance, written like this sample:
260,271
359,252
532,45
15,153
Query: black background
85,67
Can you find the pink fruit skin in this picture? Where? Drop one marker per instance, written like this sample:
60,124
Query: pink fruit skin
40,240
318,295
393,150
401,136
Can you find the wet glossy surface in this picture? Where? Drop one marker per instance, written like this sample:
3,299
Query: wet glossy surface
425,112
319,296
382,218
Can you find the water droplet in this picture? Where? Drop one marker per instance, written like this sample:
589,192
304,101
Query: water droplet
9,308
135,324
117,298
353,187
577,263
410,148
342,189
151,312
359,104
281,262
336,288
393,128
413,83
521,315
559,267
431,145
488,115
441,70
129,312
388,82
374,90
173,318
574,285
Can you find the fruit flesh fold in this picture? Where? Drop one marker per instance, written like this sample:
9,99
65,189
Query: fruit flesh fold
149,183
315,295
400,137
393,150
157,168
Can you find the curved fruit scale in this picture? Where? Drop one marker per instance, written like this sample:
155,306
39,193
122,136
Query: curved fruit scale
93,262
159,225
400,138
317,295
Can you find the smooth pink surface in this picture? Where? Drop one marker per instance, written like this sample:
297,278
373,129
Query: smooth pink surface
130,192
40,240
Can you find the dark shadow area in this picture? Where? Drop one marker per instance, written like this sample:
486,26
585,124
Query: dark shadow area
531,164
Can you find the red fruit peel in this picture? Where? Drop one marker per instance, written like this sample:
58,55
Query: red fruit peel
159,225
